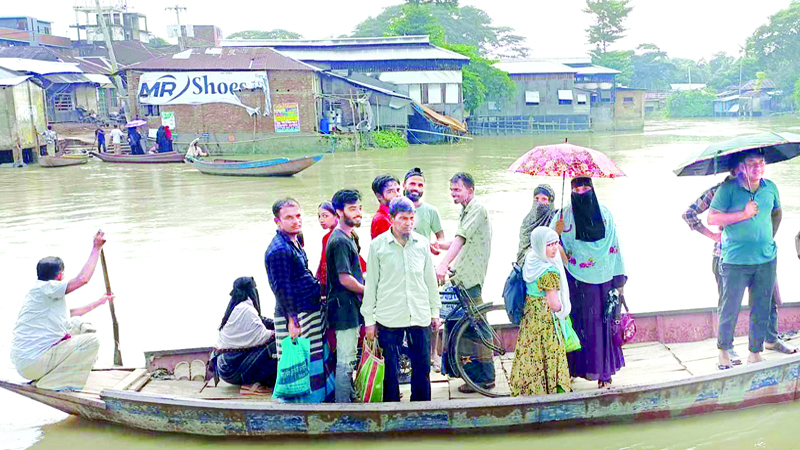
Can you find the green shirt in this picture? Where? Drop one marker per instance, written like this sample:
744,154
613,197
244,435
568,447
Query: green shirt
750,241
473,260
401,289
428,221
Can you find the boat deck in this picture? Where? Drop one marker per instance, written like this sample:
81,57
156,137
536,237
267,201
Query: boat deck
646,364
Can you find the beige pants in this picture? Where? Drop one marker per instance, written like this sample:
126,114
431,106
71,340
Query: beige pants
67,364
51,149
117,149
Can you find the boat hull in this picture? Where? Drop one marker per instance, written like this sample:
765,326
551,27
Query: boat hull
281,167
158,158
59,161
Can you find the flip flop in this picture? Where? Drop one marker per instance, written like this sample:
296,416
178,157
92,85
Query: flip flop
782,348
724,367
734,357
254,389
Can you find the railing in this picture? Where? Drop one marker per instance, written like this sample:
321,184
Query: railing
501,125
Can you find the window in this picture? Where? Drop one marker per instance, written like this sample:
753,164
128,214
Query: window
581,99
492,106
564,97
451,93
152,111
627,100
114,97
414,92
531,97
62,101
434,93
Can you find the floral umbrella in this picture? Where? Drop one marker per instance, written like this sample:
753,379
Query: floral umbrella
562,160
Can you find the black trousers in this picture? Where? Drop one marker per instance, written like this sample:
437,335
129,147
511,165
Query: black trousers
419,352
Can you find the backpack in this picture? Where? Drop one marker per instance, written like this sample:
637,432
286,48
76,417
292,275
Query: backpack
514,294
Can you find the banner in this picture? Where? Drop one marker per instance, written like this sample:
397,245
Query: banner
200,88
287,118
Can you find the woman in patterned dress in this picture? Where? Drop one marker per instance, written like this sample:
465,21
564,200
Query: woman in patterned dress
540,360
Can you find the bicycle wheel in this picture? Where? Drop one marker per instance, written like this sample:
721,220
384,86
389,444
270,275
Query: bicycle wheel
482,358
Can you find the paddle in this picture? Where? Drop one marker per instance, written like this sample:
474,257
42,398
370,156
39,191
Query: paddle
117,354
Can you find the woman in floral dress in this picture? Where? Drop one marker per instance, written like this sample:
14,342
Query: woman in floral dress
540,360
594,268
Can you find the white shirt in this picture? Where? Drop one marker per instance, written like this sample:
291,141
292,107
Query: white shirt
244,328
42,322
116,136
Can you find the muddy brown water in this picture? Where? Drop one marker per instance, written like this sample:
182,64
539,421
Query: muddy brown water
177,239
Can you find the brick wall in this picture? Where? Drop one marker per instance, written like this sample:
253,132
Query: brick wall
224,121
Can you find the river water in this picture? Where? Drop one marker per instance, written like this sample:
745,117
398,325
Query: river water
177,240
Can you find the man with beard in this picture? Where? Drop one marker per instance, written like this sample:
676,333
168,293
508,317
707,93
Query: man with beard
540,215
345,288
402,298
298,310
427,216
386,188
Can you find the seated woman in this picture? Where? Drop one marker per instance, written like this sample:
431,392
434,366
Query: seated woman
245,351
540,361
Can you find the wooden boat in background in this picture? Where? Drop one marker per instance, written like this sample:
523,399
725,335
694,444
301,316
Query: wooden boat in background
158,158
62,161
279,167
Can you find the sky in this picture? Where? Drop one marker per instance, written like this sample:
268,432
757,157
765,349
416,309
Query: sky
683,28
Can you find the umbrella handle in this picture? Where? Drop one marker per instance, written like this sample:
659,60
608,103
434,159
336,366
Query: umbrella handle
563,182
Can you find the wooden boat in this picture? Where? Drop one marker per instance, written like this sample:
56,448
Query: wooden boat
158,158
660,381
62,161
279,167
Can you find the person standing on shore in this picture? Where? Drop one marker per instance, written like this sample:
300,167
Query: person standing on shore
749,210
116,139
469,252
540,215
401,301
298,310
345,289
386,188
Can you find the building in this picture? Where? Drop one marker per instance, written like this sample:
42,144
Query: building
753,98
226,95
29,31
122,24
629,106
200,36
428,74
22,115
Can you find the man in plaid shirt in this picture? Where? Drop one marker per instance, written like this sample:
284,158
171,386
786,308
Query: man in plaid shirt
701,205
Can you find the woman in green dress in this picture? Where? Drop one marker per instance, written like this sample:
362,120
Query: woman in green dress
540,361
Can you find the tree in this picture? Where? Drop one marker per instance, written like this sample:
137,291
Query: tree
481,81
415,20
608,16
651,68
775,46
450,3
273,34
158,42
621,60
696,103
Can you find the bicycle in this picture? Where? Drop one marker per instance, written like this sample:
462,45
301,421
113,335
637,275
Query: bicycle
473,347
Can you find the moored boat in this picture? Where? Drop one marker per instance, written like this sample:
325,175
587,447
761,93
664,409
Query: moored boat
158,158
278,167
62,161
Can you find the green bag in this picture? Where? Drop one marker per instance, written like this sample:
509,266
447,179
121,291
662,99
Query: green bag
571,340
294,378
369,378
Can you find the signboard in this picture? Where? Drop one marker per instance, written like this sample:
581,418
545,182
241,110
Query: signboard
287,118
199,88
168,119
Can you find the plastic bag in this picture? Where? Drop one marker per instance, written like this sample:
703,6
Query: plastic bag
369,378
294,378
571,341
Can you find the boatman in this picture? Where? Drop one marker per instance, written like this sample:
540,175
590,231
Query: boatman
48,347
51,138
386,188
470,250
749,210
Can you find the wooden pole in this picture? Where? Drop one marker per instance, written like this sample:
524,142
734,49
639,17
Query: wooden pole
117,353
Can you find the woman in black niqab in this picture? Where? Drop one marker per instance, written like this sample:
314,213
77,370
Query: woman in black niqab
589,225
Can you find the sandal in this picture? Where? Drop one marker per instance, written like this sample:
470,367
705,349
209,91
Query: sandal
724,366
779,346
254,389
603,384
734,357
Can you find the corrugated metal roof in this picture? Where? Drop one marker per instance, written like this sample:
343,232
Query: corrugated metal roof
68,78
533,67
377,53
596,70
38,67
369,85
686,86
9,78
728,98
230,59
341,42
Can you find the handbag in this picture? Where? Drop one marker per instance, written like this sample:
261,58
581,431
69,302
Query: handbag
370,374
294,378
624,328
571,341
514,294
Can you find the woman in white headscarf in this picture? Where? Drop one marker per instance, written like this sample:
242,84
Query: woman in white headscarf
540,360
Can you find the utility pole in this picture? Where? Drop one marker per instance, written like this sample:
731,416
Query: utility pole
741,56
690,77
177,10
117,79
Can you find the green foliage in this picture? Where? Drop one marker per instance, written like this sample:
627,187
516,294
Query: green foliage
415,20
158,42
607,19
481,81
696,103
619,59
651,68
389,139
775,46
273,34
450,3
465,25
796,92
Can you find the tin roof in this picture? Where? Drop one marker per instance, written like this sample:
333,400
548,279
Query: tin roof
520,67
10,78
226,59
377,53
340,42
38,67
596,70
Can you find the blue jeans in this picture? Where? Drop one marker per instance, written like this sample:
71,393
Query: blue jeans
419,352
772,330
346,349
760,280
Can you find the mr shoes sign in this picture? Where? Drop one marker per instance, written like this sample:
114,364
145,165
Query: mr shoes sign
198,88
